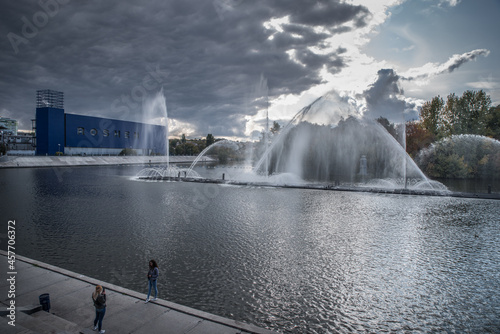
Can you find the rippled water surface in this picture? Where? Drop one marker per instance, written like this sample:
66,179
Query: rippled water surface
295,261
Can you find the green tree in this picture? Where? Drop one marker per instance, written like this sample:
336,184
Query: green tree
493,123
468,114
390,127
183,138
210,139
452,115
474,108
430,114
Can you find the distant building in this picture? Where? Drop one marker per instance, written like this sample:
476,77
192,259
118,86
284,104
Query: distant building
73,134
8,126
21,144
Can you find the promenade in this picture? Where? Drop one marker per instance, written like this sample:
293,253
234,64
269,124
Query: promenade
72,309
68,161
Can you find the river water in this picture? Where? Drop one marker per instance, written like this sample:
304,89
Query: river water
292,260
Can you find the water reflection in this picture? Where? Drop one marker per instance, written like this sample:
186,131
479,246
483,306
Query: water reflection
292,260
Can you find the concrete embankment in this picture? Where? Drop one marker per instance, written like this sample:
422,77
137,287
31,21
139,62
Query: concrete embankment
72,311
67,161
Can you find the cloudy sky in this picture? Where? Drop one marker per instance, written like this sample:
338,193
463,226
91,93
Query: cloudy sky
218,62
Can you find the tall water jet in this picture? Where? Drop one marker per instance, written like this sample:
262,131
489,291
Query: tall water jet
155,112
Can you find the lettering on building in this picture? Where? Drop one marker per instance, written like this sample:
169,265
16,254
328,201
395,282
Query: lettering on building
105,133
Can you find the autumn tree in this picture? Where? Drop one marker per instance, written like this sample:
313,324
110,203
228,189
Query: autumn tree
417,138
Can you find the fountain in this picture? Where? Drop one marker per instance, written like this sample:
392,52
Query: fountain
202,153
327,144
155,111
320,145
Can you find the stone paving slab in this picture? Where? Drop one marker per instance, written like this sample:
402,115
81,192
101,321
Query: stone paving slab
126,312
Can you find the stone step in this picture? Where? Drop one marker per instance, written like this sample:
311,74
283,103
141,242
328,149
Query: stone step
44,322
8,329
29,309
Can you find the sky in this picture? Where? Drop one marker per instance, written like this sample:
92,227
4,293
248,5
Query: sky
222,65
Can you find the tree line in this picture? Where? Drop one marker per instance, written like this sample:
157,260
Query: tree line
184,146
429,140
471,113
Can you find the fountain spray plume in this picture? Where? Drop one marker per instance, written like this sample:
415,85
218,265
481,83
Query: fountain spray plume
225,142
155,112
329,140
298,117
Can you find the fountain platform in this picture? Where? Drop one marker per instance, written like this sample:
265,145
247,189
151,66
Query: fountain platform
329,187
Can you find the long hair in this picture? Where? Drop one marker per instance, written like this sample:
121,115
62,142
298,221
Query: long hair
97,292
155,265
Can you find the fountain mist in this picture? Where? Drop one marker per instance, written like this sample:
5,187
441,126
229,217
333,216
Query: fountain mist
154,111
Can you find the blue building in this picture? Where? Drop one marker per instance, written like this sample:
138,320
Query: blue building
73,134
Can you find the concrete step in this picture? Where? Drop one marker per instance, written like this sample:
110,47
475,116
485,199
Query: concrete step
29,309
5,328
46,323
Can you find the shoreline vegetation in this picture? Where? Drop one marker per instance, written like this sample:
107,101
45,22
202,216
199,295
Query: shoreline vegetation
454,139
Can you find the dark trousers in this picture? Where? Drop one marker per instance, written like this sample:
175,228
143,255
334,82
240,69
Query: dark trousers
99,315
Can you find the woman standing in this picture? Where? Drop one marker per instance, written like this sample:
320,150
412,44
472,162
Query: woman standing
99,298
152,277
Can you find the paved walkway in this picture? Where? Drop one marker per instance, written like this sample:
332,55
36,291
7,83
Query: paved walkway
72,309
66,161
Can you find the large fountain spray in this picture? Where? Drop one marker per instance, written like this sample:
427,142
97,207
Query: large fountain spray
327,142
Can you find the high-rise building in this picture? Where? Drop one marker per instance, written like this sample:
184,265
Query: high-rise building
47,98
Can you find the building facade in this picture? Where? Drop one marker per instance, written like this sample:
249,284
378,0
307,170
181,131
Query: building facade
60,133
8,126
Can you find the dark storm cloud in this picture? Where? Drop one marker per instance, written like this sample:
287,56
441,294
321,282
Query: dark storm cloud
207,56
385,99
330,14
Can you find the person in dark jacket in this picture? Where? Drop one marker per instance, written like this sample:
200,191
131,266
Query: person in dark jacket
152,278
99,298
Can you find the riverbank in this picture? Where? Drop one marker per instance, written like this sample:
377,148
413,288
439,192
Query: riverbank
71,309
67,161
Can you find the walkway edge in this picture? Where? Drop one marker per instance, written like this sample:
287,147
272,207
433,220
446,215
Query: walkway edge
177,307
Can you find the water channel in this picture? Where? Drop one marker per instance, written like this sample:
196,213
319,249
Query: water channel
292,260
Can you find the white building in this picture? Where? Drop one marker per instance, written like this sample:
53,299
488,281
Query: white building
8,126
